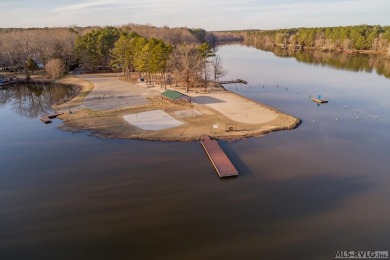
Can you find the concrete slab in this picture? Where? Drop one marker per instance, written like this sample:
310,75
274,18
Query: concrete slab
187,113
110,93
152,120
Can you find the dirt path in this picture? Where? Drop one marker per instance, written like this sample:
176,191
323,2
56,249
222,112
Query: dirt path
111,93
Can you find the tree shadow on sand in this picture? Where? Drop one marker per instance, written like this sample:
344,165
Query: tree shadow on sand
204,100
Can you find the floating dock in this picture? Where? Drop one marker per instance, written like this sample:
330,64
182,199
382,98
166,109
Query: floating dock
218,158
320,101
47,118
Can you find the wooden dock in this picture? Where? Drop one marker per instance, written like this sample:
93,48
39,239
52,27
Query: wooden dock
47,118
55,115
218,158
233,81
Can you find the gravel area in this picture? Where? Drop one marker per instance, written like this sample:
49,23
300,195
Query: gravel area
110,93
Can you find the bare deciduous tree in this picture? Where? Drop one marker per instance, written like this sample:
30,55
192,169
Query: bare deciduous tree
20,45
217,68
55,68
169,35
186,63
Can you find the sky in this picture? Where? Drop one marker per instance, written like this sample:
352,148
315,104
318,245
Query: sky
207,14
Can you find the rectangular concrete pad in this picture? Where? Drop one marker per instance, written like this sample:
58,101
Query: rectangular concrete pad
187,113
152,120
110,93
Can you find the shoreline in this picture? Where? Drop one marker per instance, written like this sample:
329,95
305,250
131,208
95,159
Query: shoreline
230,138
111,124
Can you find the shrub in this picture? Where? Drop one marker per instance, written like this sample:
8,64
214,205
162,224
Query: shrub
55,68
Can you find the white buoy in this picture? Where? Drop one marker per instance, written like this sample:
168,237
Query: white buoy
337,119
357,118
314,121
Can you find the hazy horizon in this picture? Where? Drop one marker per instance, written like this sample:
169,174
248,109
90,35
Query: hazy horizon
212,16
227,30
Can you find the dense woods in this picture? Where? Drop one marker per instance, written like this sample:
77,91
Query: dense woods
159,54
364,37
31,49
167,55
355,48
339,60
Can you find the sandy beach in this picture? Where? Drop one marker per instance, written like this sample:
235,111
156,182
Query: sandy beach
110,107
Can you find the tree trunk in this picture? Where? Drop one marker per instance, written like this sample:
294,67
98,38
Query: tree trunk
165,81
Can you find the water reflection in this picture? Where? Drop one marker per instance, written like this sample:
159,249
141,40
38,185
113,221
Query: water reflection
32,100
336,60
301,194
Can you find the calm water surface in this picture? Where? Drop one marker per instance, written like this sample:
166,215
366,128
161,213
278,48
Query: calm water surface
301,194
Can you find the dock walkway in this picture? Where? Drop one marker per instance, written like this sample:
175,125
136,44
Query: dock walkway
47,118
218,158
233,81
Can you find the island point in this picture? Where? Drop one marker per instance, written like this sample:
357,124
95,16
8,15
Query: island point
111,107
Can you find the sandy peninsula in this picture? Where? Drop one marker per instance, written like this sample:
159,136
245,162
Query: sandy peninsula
110,107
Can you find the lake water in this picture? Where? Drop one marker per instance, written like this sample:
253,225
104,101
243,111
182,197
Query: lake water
301,194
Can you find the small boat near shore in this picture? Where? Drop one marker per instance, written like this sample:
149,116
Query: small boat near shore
320,100
4,81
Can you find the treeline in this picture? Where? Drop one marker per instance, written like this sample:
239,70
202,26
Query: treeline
337,60
124,50
33,48
363,37
42,44
169,35
228,36
161,54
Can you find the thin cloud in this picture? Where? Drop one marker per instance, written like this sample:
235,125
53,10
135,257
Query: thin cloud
211,15
83,6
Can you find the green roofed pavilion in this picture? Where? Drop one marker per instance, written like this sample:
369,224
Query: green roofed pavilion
176,96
